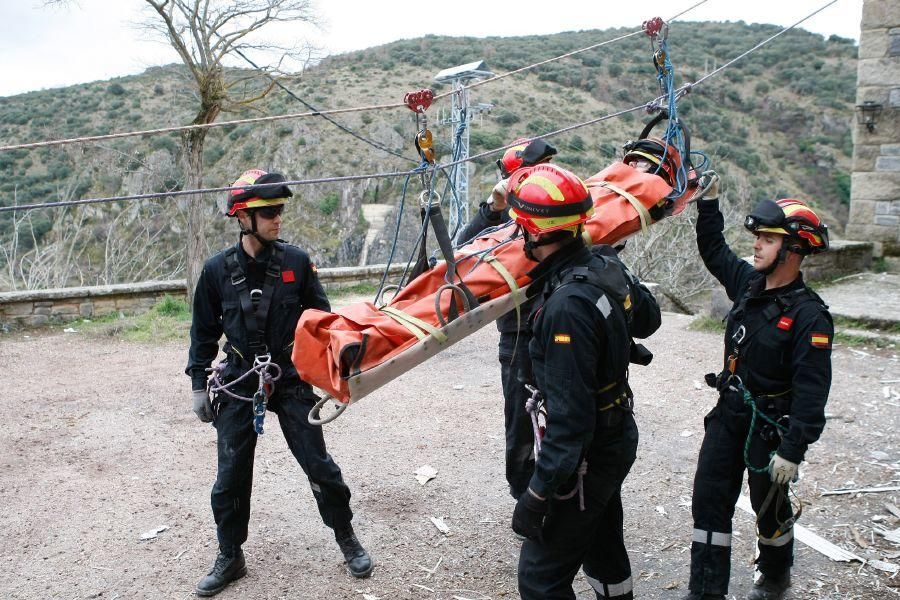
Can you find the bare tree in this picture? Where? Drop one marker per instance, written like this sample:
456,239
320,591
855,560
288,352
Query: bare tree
667,254
204,33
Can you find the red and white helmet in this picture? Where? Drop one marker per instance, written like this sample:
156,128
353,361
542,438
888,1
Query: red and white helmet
512,158
791,218
251,193
657,151
546,198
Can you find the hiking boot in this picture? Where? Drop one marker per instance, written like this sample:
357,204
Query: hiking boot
230,566
358,561
698,596
770,588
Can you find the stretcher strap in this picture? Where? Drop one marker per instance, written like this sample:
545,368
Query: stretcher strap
510,281
417,326
642,212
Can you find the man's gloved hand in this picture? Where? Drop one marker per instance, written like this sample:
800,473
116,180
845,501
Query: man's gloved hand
782,470
202,406
498,196
528,517
709,186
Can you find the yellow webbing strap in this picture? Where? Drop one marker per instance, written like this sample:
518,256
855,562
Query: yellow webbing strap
510,281
642,212
417,326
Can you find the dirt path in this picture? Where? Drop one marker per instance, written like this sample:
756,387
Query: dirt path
100,446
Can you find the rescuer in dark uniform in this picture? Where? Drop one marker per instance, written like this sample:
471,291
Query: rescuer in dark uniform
590,306
254,293
515,332
648,155
777,365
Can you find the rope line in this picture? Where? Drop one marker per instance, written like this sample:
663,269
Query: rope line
763,43
340,126
650,107
312,113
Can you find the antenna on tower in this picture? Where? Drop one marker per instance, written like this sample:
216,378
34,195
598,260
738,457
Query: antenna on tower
460,118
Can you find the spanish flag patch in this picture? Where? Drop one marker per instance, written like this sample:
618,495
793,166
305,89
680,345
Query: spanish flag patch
314,268
820,340
562,338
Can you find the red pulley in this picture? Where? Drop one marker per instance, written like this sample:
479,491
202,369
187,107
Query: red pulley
419,101
653,26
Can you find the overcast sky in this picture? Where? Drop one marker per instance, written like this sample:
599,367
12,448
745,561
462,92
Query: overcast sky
96,39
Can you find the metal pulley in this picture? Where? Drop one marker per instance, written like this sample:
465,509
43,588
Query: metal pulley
425,145
419,101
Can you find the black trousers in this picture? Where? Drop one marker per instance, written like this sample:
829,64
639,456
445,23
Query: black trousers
593,538
717,486
519,433
236,448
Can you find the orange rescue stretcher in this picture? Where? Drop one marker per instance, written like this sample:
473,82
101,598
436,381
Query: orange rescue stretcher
354,350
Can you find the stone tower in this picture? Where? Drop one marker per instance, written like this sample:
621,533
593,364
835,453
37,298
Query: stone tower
875,188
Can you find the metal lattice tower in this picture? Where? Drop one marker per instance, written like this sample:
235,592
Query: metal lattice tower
461,114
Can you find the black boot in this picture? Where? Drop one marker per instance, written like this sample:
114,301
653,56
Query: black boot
770,588
230,566
698,596
358,561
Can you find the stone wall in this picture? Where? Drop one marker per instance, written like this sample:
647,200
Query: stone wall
35,308
875,184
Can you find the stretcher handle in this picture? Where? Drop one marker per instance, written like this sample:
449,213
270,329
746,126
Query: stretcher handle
313,416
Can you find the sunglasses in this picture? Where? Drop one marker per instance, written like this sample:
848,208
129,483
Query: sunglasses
270,212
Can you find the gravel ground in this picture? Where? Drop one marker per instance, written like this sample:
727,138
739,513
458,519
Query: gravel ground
101,446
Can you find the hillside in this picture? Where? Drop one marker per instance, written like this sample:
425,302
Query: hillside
777,123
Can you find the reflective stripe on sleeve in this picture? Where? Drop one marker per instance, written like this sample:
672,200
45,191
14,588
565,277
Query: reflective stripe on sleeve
713,538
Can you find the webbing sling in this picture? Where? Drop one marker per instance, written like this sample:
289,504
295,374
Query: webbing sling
514,290
255,317
416,326
642,212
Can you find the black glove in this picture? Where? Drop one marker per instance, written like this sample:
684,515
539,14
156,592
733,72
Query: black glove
528,517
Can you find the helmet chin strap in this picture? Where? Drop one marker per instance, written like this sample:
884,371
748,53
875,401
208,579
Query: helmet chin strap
779,258
548,238
253,231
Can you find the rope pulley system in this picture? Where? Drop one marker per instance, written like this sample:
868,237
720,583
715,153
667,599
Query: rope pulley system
418,102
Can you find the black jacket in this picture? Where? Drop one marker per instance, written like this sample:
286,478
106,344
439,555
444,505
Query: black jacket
581,344
484,219
785,358
217,311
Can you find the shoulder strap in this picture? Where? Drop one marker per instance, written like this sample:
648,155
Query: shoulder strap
255,317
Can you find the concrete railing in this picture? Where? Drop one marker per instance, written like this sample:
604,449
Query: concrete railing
33,308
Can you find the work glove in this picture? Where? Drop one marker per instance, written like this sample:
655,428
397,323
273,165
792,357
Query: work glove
498,196
782,470
529,515
202,406
708,186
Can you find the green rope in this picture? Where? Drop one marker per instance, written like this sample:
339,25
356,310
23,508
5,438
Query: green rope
748,400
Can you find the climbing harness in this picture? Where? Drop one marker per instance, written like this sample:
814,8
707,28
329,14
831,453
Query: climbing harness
255,311
535,406
268,373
